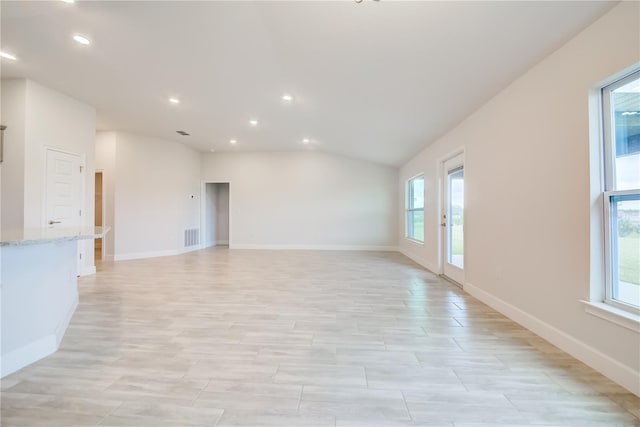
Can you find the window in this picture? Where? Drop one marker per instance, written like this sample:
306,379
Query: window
415,208
621,119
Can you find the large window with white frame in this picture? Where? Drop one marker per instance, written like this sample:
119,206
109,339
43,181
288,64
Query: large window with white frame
621,120
415,209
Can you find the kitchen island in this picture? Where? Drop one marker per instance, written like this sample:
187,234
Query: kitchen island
38,290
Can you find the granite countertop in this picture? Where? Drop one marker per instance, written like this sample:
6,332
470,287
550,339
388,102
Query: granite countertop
38,236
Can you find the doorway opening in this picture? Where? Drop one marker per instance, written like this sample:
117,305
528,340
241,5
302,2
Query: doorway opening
98,209
452,216
216,224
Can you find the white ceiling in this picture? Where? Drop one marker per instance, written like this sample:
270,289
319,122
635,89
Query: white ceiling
376,80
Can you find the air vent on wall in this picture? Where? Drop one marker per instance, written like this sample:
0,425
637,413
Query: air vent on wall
191,237
183,133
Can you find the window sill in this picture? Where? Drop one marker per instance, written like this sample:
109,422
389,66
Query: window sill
417,242
612,314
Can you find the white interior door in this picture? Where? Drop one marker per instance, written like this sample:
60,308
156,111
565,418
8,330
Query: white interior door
63,192
453,218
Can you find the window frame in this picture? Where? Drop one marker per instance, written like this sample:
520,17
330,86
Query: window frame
409,209
609,193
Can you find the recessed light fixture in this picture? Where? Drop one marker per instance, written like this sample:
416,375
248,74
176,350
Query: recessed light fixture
174,100
253,122
306,141
8,56
81,39
69,1
287,98
232,141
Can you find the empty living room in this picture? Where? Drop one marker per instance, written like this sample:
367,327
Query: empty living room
352,213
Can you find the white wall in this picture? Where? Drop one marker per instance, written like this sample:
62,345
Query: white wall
527,224
48,119
13,115
306,200
155,193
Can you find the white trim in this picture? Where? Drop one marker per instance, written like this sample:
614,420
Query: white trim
612,314
459,160
450,280
417,260
28,354
414,241
316,247
88,270
202,208
441,203
611,368
216,243
64,323
597,266
104,211
32,352
155,254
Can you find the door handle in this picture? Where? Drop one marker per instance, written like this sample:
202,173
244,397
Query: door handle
51,222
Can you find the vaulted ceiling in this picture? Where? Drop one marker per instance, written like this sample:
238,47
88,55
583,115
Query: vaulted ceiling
375,80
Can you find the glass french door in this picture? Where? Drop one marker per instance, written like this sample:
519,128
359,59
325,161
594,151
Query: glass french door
453,219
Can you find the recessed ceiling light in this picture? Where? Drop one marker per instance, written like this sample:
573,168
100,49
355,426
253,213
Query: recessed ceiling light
306,141
232,141
174,100
253,122
69,1
8,56
286,97
82,39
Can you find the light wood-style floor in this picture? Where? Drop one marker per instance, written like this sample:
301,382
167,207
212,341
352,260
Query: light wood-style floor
295,339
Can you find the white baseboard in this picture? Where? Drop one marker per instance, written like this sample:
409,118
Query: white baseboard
417,260
32,352
28,354
316,247
64,323
88,271
155,254
609,367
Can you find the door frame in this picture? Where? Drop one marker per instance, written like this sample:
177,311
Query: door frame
442,207
104,209
203,208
